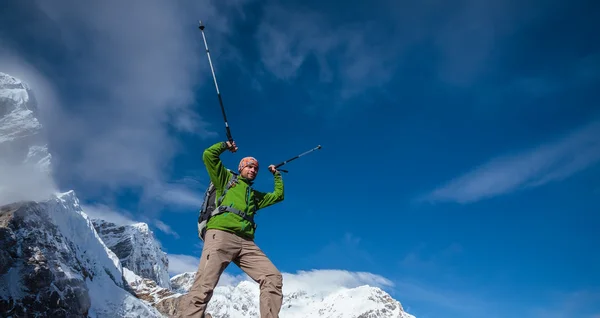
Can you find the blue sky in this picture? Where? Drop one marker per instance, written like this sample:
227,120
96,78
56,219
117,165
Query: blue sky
461,140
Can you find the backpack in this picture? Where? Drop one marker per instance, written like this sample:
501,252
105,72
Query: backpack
212,206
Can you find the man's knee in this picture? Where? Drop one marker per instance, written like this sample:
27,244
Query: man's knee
274,281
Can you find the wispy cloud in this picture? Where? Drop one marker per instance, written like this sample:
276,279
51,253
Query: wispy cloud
582,303
427,261
180,195
344,250
532,168
105,212
123,217
432,301
289,36
165,228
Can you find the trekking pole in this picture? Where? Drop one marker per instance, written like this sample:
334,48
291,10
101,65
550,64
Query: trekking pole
296,157
201,27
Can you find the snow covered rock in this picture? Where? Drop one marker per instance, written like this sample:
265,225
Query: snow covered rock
181,283
147,289
53,263
21,134
137,249
358,302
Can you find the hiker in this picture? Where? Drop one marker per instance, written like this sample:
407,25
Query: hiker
230,238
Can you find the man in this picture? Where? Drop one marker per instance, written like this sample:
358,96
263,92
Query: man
230,238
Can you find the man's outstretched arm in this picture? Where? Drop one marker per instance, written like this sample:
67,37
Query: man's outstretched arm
214,166
270,198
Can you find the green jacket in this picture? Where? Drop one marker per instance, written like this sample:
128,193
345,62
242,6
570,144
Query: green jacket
241,196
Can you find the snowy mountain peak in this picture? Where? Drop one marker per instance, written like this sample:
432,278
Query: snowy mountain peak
137,249
8,80
25,162
142,227
18,110
15,89
181,283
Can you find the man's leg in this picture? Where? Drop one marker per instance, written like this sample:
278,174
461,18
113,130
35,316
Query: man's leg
220,248
253,261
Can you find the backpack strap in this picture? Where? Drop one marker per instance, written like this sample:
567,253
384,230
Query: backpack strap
222,209
229,185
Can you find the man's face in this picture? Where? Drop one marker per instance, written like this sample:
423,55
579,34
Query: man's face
249,172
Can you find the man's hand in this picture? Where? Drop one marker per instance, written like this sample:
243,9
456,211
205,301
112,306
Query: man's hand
272,169
231,146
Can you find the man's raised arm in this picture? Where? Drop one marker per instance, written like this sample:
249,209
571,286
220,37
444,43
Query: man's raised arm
270,198
214,166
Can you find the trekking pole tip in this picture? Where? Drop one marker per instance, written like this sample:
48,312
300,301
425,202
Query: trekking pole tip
200,25
319,147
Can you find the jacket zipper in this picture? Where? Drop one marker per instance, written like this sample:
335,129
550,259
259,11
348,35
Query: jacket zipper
247,199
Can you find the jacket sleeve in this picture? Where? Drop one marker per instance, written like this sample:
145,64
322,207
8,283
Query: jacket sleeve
214,166
270,198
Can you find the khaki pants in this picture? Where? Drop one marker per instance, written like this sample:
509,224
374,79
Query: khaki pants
221,248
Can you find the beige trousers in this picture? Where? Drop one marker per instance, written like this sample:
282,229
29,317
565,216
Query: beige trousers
221,248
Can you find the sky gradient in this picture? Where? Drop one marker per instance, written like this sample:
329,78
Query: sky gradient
461,140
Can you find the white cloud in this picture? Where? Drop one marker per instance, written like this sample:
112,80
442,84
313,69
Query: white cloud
327,281
24,182
532,168
180,194
317,281
118,79
106,213
452,301
179,263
